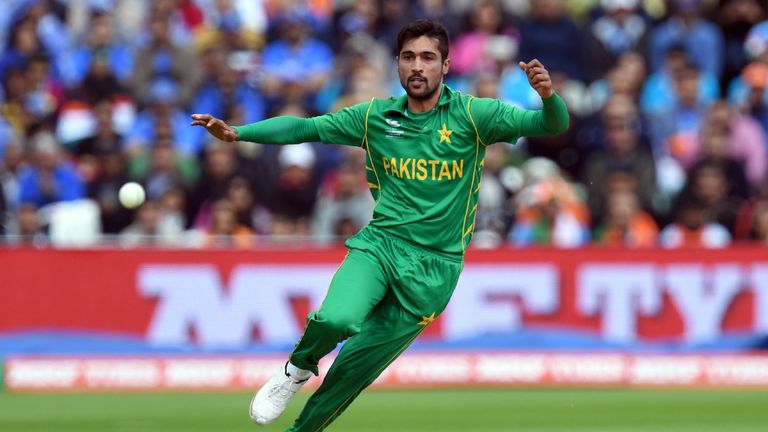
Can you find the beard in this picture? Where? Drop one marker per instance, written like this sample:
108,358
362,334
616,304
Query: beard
425,91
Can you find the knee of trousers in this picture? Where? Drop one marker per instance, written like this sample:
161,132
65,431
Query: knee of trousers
339,325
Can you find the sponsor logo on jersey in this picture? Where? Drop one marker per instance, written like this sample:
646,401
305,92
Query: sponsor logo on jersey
393,131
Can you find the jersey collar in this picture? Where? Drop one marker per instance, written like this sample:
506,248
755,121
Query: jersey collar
399,104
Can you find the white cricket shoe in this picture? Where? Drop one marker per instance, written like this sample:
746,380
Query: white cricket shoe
272,399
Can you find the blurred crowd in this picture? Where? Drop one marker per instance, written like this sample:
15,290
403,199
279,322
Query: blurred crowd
668,98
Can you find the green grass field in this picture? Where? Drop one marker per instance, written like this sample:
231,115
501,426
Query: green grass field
538,410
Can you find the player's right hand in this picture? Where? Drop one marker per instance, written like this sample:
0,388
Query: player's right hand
215,127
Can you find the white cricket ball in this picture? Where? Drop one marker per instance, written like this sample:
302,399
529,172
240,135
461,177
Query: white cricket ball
131,195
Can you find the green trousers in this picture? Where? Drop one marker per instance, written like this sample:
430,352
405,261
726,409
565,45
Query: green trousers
381,298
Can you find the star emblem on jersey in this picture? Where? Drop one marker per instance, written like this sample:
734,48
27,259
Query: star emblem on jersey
426,320
445,134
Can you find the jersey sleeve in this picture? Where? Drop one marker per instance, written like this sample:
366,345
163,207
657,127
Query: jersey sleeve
346,126
497,121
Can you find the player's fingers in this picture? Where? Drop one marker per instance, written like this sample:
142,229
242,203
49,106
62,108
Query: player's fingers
202,117
539,78
535,63
535,70
523,66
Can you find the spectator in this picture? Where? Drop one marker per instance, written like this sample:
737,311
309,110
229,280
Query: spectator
151,227
99,44
12,108
736,18
353,19
746,217
220,167
709,185
49,178
163,113
163,58
109,177
626,77
549,210
626,224
658,91
393,15
358,52
674,129
439,10
43,93
344,200
748,91
746,141
702,40
173,206
550,36
30,228
714,151
477,50
22,44
760,226
623,151
225,230
294,192
295,65
165,169
228,92
694,229
235,15
105,139
494,202
621,29
99,81
250,213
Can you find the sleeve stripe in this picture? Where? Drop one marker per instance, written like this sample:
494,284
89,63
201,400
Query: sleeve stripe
469,112
366,145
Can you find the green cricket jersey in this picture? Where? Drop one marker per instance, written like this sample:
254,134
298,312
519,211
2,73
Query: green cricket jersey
424,169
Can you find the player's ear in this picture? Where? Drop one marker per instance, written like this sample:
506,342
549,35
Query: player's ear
446,66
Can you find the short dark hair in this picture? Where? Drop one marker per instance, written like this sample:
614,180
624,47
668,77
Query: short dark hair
425,27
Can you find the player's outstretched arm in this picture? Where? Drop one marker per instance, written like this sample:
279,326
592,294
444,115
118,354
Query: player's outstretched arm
551,120
276,130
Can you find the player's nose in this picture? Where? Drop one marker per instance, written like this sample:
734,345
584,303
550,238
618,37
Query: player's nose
417,65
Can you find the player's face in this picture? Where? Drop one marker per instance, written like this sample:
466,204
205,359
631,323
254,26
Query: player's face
421,67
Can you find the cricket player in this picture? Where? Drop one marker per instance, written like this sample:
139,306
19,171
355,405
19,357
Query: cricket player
424,161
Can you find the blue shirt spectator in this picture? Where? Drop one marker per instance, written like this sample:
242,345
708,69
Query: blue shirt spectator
227,92
296,63
49,179
164,116
658,92
703,41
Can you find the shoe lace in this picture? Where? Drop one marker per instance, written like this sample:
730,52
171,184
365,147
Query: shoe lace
281,392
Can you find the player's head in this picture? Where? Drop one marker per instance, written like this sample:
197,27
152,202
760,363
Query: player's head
422,57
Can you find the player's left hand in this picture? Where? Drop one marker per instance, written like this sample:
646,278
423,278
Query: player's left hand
538,77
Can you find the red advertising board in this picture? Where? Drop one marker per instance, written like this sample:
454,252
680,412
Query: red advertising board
222,298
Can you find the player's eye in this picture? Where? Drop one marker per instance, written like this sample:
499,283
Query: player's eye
407,57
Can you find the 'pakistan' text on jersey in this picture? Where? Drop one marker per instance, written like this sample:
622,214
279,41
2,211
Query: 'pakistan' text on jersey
424,169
